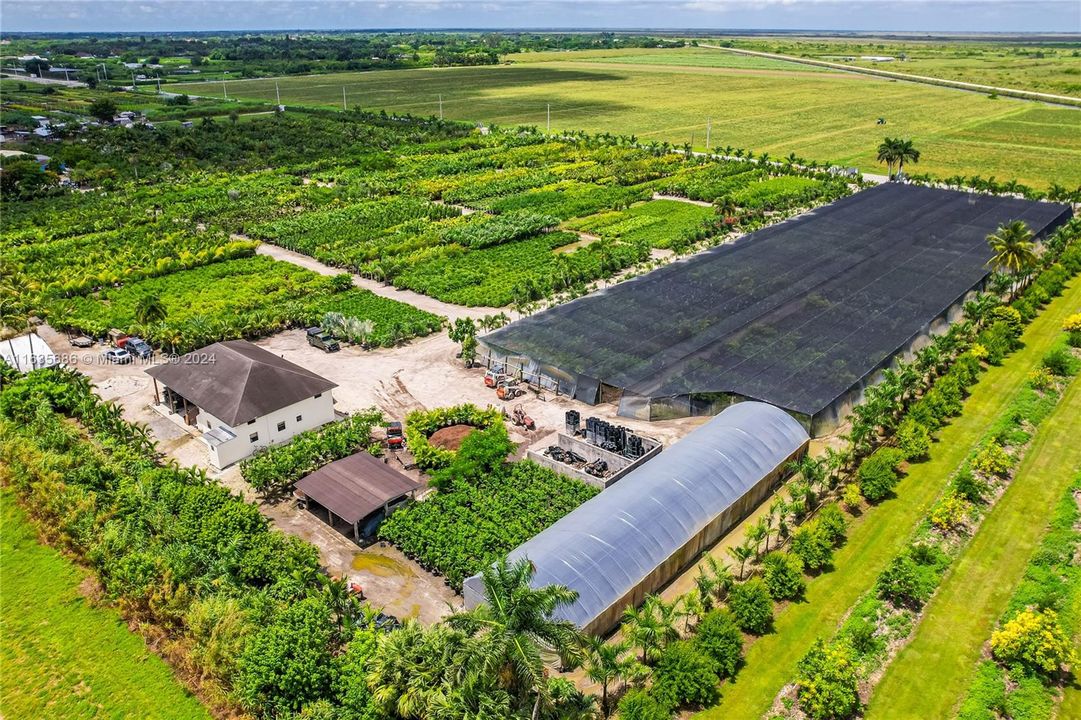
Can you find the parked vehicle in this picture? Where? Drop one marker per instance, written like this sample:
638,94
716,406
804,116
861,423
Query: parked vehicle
519,418
317,337
493,379
82,342
118,338
117,355
139,348
395,438
508,390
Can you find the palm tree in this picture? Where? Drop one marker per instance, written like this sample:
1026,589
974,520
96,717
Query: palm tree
906,152
1014,250
149,309
887,153
641,629
741,554
606,663
514,625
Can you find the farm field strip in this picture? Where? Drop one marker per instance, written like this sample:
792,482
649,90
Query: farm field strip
63,658
881,533
390,214
826,116
930,674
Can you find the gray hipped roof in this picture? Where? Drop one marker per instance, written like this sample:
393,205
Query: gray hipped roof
608,545
236,381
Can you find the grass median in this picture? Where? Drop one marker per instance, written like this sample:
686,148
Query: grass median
883,530
931,674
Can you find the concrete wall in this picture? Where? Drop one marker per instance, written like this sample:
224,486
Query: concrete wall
313,412
619,465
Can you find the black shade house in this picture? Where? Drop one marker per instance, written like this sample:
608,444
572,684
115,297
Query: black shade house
801,315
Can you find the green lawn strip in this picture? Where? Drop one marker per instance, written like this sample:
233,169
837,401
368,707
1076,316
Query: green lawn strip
63,658
882,532
932,672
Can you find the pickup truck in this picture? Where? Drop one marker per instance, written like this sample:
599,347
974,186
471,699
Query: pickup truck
323,340
139,348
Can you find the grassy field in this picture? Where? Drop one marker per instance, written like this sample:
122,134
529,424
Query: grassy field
825,116
1052,67
63,658
875,539
688,56
930,675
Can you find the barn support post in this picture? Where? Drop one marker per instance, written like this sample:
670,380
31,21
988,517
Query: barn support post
356,531
157,398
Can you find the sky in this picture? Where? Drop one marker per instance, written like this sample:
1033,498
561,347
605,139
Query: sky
866,15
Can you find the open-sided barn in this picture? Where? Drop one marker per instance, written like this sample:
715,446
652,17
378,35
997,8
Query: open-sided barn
802,315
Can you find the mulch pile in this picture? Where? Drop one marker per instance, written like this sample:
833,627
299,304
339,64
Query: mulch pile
450,438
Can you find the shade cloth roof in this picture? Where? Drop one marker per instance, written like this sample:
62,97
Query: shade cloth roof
236,381
356,486
794,314
611,543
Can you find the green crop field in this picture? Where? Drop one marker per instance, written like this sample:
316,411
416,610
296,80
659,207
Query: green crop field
63,658
825,116
1051,67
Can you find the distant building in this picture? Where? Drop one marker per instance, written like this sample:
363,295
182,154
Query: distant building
242,398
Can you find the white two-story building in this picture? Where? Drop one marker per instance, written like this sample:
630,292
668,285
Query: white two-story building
242,398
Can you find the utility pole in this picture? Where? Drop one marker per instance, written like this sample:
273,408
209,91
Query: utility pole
344,106
440,107
549,117
707,134
224,90
159,86
277,93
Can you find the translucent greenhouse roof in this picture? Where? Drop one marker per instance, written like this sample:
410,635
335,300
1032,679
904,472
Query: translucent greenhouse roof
794,314
609,544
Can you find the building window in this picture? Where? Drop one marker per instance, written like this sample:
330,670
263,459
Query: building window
319,395
299,418
281,426
254,437
207,424
251,422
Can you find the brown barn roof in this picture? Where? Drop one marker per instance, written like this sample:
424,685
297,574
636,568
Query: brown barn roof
236,381
354,487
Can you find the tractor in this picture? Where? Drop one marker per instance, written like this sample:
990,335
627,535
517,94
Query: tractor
519,418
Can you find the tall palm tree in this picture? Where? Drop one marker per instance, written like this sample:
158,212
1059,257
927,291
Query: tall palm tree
606,663
906,152
887,153
1014,251
514,626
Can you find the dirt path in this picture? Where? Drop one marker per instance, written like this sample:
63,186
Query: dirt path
447,310
677,198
